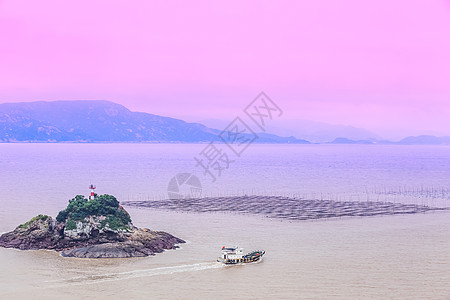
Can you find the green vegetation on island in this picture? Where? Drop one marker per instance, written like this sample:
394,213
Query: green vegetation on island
80,208
38,217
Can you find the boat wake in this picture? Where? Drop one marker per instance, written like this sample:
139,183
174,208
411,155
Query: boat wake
99,278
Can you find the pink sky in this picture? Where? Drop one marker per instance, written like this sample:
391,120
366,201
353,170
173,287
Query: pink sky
383,65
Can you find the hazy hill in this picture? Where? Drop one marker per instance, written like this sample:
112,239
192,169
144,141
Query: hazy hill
100,121
316,132
425,140
411,140
349,141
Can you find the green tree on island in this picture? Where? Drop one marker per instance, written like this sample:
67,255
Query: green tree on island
105,205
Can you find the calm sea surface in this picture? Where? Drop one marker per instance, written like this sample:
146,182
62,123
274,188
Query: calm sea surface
379,257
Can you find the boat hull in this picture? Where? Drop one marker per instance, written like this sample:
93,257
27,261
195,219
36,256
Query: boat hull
251,257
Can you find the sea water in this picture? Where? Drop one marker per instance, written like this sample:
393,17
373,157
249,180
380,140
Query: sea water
377,257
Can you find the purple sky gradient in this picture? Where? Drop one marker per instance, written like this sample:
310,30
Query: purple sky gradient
383,65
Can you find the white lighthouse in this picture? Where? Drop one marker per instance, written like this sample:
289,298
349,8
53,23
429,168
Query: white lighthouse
92,188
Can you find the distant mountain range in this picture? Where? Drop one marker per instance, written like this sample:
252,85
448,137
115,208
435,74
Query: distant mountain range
320,132
411,140
102,121
315,132
425,140
105,121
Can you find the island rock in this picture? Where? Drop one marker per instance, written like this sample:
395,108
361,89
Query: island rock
98,228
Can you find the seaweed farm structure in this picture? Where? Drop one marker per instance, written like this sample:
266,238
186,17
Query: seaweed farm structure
285,207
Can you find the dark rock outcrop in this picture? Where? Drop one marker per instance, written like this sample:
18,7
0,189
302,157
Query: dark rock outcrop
89,239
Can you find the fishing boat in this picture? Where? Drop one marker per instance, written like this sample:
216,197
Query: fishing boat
235,255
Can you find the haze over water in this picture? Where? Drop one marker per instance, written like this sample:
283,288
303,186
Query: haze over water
384,257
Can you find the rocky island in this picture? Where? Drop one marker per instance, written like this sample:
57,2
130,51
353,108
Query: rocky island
90,228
